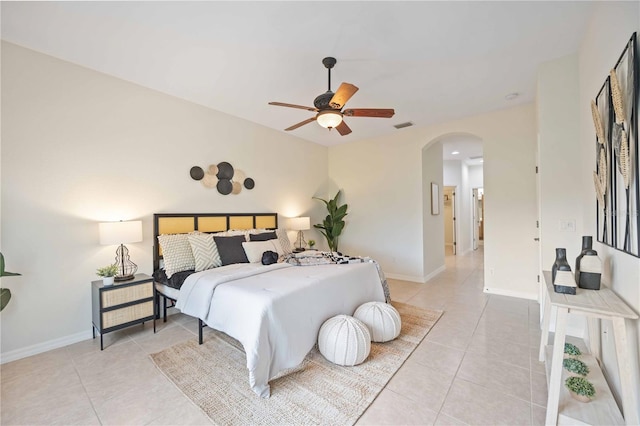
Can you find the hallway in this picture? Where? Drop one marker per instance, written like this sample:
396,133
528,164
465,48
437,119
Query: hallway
478,365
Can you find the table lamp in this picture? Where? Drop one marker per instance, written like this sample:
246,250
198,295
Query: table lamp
300,224
112,233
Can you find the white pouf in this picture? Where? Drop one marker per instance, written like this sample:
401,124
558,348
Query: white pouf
344,340
382,319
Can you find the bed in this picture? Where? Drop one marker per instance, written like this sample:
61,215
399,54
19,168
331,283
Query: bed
274,311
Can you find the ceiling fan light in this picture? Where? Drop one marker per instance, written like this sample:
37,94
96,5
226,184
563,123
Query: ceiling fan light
329,119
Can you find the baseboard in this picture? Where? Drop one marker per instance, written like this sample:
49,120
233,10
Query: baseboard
413,279
518,294
404,277
434,273
44,346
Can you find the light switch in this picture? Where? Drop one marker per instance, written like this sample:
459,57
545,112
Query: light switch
568,225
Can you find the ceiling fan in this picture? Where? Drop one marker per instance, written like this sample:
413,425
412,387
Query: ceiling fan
329,105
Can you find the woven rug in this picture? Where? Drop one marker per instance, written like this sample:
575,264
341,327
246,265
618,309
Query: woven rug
214,376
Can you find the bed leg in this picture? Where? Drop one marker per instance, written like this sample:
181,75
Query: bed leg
164,308
200,327
156,301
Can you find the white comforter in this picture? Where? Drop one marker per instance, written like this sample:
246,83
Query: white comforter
276,311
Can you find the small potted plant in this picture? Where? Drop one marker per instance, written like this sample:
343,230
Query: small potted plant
580,388
571,350
311,243
107,273
575,367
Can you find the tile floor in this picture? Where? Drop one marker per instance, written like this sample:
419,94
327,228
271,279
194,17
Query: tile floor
478,366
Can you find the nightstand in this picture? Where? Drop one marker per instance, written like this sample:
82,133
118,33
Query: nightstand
123,304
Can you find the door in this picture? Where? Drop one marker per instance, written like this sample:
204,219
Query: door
449,210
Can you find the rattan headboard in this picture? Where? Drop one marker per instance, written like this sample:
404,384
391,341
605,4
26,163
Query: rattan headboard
181,223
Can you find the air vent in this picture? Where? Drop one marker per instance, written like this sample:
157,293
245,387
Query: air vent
403,125
477,157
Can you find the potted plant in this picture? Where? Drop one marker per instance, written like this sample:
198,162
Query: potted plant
571,350
311,243
5,293
580,388
575,366
107,273
332,225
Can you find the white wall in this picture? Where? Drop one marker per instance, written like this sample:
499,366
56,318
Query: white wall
598,53
452,172
559,141
432,224
382,178
476,176
80,147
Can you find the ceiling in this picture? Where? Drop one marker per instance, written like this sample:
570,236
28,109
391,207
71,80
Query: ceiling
465,148
431,61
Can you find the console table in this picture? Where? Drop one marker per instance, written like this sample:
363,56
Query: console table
595,305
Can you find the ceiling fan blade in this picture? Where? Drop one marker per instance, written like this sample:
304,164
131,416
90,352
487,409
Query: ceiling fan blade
344,93
294,106
369,112
300,124
343,129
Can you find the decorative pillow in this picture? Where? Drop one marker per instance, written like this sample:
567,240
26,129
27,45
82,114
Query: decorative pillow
176,252
263,236
232,233
269,257
255,249
204,251
230,249
284,241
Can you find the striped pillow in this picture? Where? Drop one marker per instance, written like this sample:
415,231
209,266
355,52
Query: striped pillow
284,241
205,252
176,253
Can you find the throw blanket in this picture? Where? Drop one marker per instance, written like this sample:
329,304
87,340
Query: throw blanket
314,257
197,291
275,311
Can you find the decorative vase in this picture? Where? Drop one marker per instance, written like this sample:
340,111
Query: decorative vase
108,280
588,266
561,276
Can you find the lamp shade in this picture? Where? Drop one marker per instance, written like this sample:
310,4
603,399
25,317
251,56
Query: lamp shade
112,233
329,119
299,223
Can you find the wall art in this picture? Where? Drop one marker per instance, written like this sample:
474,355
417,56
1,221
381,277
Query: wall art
223,177
435,199
616,179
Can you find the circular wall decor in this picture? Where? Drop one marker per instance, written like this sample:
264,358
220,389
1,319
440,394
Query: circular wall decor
196,173
225,171
224,186
239,175
223,177
209,181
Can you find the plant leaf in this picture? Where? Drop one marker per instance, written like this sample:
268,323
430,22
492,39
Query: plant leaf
4,273
5,296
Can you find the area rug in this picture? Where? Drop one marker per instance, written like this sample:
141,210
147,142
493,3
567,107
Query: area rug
215,377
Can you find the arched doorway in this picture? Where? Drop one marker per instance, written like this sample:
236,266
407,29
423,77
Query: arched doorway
452,164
